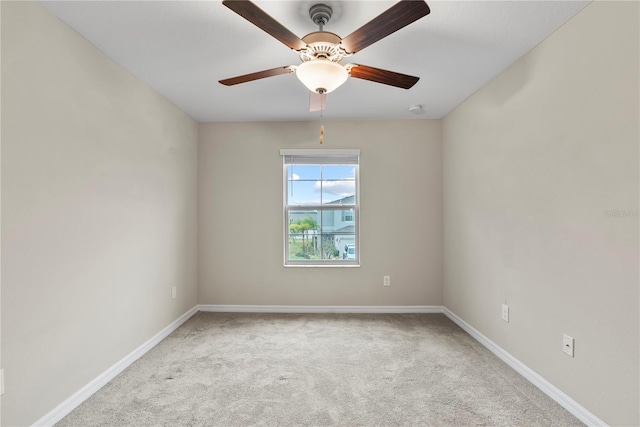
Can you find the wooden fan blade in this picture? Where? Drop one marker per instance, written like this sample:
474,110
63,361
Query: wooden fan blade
262,20
257,76
317,101
396,17
378,75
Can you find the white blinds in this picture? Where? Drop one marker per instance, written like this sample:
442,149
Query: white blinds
324,157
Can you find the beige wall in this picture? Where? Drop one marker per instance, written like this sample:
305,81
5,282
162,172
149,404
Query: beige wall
241,223
534,165
98,215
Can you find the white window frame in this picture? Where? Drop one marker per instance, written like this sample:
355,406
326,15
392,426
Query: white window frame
320,157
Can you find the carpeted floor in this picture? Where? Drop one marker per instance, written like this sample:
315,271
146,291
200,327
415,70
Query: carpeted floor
223,369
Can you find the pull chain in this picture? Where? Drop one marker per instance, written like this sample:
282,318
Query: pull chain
322,98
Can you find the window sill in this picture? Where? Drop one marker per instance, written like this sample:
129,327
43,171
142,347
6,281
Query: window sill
321,265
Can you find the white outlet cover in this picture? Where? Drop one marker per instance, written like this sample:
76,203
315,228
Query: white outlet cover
567,344
505,312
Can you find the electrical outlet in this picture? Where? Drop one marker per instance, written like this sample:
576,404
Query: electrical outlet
386,281
174,291
567,344
505,313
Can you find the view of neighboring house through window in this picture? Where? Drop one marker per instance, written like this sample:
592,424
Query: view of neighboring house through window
321,207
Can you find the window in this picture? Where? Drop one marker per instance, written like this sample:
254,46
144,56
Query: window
321,207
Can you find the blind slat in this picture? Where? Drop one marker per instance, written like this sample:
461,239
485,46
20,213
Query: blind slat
314,160
317,157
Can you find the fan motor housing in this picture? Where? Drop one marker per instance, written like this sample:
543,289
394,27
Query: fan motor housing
322,37
322,44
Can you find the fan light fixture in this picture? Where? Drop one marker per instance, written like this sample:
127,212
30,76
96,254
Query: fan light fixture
321,75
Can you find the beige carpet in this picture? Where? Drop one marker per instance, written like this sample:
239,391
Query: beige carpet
222,369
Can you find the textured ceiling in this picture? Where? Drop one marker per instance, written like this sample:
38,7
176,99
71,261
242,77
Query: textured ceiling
182,48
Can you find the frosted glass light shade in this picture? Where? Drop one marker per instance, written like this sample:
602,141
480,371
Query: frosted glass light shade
321,75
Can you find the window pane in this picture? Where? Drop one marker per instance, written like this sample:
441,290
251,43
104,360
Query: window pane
304,232
302,221
347,245
302,193
338,192
329,248
302,187
338,184
296,172
338,234
302,246
341,221
339,172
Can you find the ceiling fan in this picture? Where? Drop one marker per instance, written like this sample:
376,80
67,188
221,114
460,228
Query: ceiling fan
321,52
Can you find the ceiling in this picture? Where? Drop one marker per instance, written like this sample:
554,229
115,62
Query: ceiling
182,48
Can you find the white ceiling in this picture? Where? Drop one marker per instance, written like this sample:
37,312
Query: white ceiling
182,48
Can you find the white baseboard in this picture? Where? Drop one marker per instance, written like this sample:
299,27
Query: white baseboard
320,308
545,386
85,392
579,411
